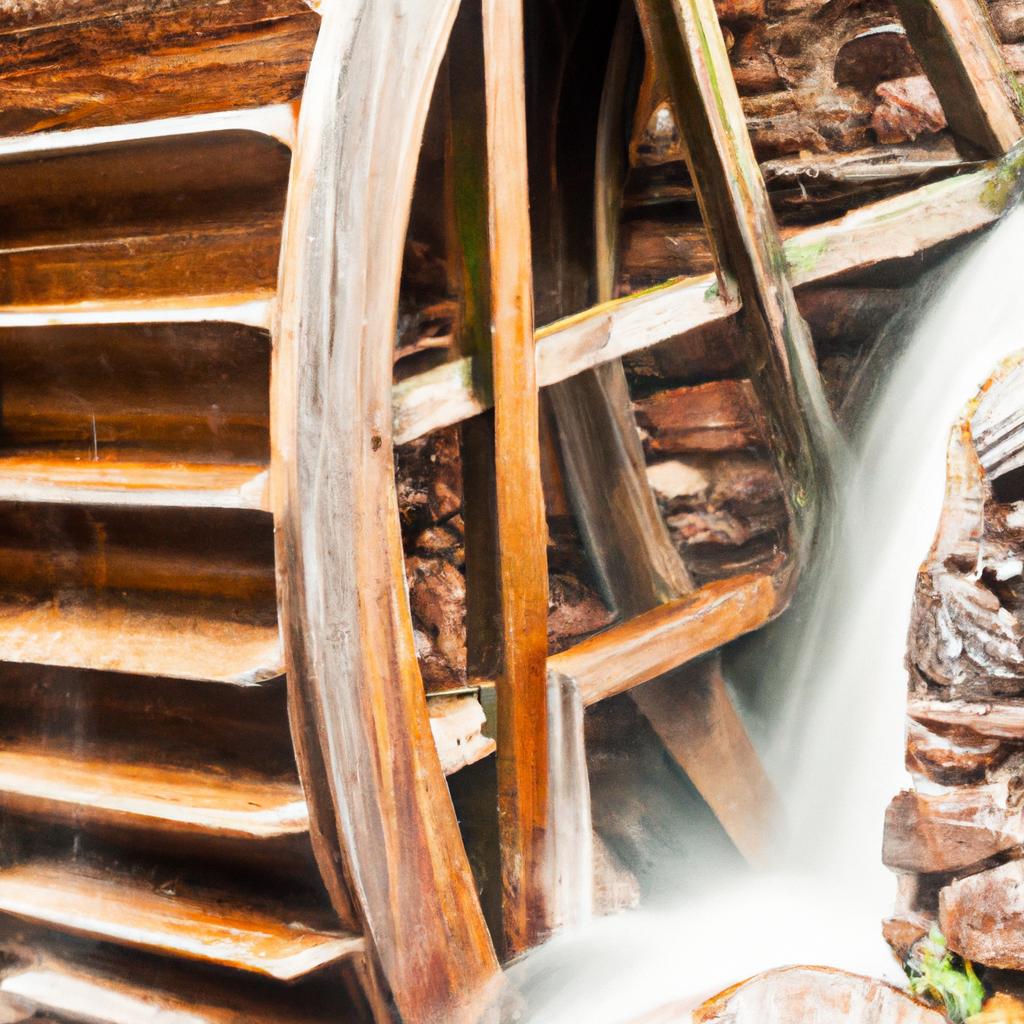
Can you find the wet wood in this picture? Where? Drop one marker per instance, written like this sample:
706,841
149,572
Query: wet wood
521,531
82,991
370,769
891,229
651,644
957,45
41,781
129,482
778,351
98,905
194,641
137,62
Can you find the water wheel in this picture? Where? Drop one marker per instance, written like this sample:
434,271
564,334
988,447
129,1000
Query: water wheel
197,482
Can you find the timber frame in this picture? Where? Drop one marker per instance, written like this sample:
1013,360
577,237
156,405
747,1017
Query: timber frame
409,930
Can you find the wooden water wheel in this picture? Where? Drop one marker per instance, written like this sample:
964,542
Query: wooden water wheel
197,479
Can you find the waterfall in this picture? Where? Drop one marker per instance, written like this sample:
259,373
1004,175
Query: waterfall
832,678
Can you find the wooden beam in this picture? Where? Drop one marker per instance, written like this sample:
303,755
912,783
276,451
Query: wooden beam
651,644
957,45
371,774
904,226
522,530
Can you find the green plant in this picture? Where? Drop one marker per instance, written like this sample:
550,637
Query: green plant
937,973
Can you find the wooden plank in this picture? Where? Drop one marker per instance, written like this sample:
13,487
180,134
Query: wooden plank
252,310
90,790
653,643
695,718
139,637
132,483
957,46
277,121
99,905
79,993
370,769
522,530
892,229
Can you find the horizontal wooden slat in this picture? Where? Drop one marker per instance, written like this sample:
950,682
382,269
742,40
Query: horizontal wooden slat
132,483
667,636
124,911
142,639
252,309
41,781
892,229
77,993
277,121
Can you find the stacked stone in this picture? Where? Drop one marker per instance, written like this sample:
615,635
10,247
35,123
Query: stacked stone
957,837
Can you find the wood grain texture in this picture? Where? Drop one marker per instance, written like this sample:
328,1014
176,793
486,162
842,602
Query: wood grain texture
686,42
135,61
87,902
670,634
522,530
370,770
91,790
83,992
957,44
892,229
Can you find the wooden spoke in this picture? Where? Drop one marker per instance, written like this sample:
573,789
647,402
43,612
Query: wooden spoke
685,40
651,644
371,773
957,45
521,528
904,226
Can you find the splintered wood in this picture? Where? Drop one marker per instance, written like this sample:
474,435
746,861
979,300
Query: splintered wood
949,835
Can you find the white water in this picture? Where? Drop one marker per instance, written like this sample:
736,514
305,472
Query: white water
837,751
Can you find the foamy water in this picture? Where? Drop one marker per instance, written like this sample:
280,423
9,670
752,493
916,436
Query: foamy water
836,674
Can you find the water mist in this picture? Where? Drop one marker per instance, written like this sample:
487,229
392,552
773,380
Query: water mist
833,678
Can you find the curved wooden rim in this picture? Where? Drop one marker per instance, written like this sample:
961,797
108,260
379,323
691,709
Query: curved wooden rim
383,827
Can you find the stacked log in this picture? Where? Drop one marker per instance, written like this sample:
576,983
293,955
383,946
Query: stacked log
957,837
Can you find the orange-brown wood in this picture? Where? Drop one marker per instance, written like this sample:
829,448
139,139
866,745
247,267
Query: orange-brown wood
133,63
44,781
648,645
97,904
383,826
522,532
892,229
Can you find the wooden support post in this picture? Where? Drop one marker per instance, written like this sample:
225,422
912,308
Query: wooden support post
382,824
522,531
634,558
957,45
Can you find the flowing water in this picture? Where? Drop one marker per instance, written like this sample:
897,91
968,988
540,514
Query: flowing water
833,678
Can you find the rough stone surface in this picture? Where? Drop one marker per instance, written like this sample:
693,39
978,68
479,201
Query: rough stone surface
982,916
